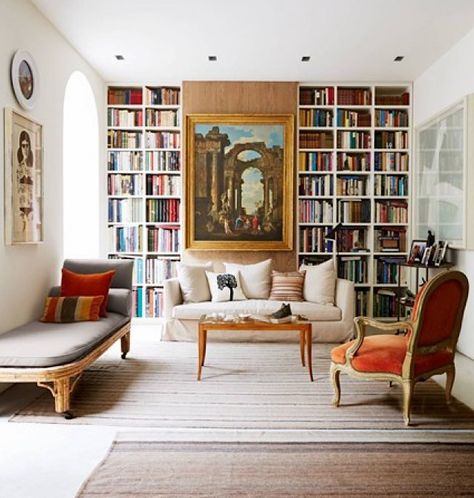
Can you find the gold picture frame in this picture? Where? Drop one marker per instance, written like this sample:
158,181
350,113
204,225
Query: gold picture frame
239,182
23,179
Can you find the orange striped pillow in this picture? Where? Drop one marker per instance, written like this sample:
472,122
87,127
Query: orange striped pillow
287,286
72,309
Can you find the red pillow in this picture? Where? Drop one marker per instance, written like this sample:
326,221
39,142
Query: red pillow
91,284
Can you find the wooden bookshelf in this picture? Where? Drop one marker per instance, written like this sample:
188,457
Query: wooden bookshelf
354,167
144,186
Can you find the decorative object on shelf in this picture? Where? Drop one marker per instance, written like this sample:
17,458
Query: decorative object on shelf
25,80
430,240
23,179
428,253
417,251
240,182
440,254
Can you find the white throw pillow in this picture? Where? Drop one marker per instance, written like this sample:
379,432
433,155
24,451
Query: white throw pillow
193,282
256,279
224,294
320,282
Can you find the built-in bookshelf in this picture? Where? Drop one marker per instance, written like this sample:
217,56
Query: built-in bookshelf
353,168
144,187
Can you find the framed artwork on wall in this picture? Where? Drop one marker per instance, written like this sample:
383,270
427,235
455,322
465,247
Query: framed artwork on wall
23,179
239,182
25,79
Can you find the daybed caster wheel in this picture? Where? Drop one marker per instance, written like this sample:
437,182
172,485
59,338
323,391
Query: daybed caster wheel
124,356
68,415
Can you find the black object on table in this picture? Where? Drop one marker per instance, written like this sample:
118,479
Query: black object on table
418,267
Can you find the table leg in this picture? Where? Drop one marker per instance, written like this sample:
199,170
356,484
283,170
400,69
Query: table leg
302,334
309,351
201,349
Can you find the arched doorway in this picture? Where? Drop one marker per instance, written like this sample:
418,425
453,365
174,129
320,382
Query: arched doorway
80,170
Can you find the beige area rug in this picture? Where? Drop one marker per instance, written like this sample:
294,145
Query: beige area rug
260,387
325,469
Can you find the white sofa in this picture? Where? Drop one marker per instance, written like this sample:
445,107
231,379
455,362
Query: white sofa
330,323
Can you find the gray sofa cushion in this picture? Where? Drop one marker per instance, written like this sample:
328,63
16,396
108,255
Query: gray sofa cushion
123,269
38,344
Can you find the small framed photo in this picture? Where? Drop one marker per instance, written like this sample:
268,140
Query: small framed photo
427,256
25,80
440,253
417,251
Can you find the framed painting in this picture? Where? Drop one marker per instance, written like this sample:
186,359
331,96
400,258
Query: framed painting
23,179
239,182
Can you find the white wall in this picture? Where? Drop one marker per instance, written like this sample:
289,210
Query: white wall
26,272
446,81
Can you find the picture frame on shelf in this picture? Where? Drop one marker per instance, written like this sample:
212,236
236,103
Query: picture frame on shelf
440,253
417,251
25,79
23,179
239,188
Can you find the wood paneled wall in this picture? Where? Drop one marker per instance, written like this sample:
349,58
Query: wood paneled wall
241,97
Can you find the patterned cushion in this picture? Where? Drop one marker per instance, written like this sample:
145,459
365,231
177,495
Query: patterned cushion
72,309
87,284
287,286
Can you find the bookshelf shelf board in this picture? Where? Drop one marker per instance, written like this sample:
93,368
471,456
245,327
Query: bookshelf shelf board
382,224
303,128
124,223
163,253
147,196
124,172
355,107
315,197
317,150
391,107
151,172
391,150
125,106
124,196
353,128
387,254
165,149
162,106
316,253
391,172
351,173
365,285
353,253
313,106
354,150
162,128
125,253
353,197
124,149
162,224
391,128
131,128
315,173
355,224
308,224
391,197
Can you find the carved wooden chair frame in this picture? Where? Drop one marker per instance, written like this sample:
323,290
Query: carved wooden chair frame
407,379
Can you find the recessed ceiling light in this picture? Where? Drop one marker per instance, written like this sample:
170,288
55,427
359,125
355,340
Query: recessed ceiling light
120,57
305,58
212,58
399,58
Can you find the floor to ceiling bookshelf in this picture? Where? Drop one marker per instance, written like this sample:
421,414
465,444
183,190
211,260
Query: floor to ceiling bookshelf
144,186
353,168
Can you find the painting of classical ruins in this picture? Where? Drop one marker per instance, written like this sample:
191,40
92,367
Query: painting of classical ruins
240,178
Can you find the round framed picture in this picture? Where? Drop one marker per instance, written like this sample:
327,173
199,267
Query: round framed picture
25,79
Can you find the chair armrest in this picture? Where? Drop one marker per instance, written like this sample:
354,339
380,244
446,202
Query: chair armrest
345,298
171,296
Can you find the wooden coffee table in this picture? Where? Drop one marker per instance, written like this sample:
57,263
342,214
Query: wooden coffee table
209,324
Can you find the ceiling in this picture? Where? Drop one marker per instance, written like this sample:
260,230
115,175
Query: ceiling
348,40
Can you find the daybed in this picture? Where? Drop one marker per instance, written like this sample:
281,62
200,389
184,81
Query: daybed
54,355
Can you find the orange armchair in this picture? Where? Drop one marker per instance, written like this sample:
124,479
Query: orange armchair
427,349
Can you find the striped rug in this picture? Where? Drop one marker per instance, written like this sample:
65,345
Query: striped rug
244,387
270,470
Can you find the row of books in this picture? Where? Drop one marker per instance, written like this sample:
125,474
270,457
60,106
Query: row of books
124,117
162,210
119,184
125,239
125,210
350,118
391,239
312,240
354,96
317,96
164,239
391,185
316,140
154,302
313,211
400,99
162,96
391,140
163,185
125,160
351,185
163,140
163,160
315,161
124,96
349,239
315,117
354,211
385,303
137,302
122,139
352,268
391,212
137,276
155,117
387,273
159,269
391,118
353,139
362,302
319,185
391,161
350,161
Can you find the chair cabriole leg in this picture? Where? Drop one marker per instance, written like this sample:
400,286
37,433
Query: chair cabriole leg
125,344
335,374
408,386
450,376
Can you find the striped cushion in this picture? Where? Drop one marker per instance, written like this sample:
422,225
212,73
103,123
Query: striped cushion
72,309
287,286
